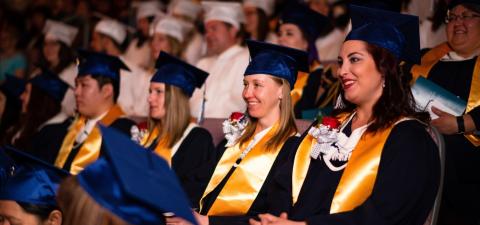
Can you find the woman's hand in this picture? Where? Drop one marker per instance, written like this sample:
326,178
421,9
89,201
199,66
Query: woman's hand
446,123
201,219
269,219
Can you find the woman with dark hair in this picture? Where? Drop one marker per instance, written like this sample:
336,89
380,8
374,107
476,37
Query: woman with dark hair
373,162
455,66
58,57
41,120
299,27
138,51
27,189
257,16
188,148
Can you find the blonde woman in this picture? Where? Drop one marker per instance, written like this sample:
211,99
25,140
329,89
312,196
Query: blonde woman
186,147
238,186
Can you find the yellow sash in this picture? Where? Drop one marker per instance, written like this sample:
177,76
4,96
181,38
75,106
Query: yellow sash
90,149
302,79
358,178
161,149
245,183
431,58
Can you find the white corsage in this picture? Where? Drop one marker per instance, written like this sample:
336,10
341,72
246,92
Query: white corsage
233,127
328,143
138,132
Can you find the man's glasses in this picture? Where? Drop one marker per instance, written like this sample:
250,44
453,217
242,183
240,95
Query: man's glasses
464,17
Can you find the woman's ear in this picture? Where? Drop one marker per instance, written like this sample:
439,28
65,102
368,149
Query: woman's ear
55,218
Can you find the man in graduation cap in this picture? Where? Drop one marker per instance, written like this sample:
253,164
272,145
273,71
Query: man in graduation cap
455,66
126,185
27,189
226,61
109,37
380,165
96,93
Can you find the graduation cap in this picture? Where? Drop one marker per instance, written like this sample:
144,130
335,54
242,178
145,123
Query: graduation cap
100,64
276,60
454,3
173,27
59,31
51,84
113,29
265,5
133,183
188,8
228,12
395,32
309,21
28,179
173,71
13,86
148,9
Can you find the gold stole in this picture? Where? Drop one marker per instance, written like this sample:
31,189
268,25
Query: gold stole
161,149
302,79
245,183
431,58
90,149
358,178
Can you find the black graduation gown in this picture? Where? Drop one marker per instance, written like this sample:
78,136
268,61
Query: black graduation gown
193,161
316,79
259,205
461,191
403,193
121,124
48,140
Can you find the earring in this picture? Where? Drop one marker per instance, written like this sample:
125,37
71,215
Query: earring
383,84
339,104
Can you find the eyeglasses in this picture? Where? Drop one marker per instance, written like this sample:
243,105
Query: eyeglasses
453,17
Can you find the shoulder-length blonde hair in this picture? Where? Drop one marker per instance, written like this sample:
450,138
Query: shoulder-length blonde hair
79,208
177,115
286,126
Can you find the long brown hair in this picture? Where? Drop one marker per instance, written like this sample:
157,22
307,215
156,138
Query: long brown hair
41,107
79,208
396,100
286,126
177,115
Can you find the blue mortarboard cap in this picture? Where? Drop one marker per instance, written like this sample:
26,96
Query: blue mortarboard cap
397,33
133,183
310,22
454,3
95,63
28,179
13,86
173,71
51,84
276,60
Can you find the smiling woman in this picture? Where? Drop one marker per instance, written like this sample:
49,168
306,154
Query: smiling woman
455,66
356,173
238,187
